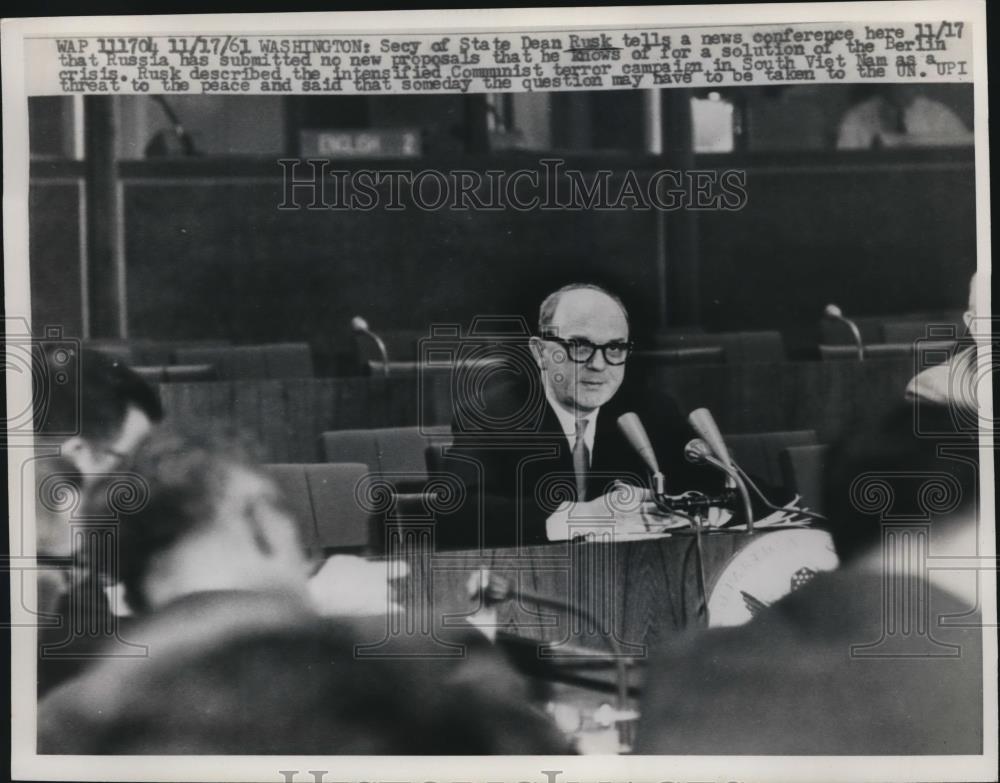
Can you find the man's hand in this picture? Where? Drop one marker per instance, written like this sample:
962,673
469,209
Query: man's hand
623,503
625,509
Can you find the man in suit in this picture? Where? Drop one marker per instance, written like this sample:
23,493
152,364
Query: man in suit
544,451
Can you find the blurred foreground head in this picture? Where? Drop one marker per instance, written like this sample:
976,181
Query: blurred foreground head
207,519
915,465
290,685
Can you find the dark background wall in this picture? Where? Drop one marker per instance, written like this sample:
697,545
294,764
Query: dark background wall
207,253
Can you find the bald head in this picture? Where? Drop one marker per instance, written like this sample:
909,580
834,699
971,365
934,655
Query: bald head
579,293
580,314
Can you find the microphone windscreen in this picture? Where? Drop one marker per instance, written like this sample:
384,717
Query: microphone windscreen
631,427
832,311
359,324
702,422
697,451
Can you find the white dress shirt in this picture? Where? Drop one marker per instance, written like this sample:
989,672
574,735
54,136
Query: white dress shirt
567,420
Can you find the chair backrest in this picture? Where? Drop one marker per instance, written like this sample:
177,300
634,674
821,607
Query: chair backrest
759,453
698,354
909,331
244,362
121,350
144,352
738,347
176,373
389,450
883,350
151,352
413,369
804,468
324,498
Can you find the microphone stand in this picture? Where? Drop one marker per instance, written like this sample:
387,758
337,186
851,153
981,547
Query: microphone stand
740,486
500,589
360,326
832,311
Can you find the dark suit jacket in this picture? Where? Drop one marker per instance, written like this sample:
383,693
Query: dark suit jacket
517,466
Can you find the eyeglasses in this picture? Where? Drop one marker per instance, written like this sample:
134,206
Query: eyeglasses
582,351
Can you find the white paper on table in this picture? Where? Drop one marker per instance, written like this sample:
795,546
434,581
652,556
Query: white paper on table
787,516
563,524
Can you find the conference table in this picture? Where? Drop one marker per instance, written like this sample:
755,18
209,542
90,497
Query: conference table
642,591
569,609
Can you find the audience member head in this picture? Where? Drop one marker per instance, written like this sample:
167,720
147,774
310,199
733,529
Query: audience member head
101,417
909,468
208,519
582,345
97,410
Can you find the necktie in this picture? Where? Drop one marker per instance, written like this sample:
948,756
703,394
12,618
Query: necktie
580,460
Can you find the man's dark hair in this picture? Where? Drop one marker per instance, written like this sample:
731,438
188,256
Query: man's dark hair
182,472
96,404
547,310
890,467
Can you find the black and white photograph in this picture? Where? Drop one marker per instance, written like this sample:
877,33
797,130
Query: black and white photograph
531,394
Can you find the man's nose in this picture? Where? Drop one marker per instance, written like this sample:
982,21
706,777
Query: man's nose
597,361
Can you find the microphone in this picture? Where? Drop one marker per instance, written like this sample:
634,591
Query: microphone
697,451
631,427
703,423
710,449
360,326
494,589
834,313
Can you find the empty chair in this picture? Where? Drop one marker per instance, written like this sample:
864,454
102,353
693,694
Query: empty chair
413,368
244,362
176,373
396,452
803,468
738,347
883,350
910,331
325,499
154,352
699,354
181,373
121,350
759,453
753,347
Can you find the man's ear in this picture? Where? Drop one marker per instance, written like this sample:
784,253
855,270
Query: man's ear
537,350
